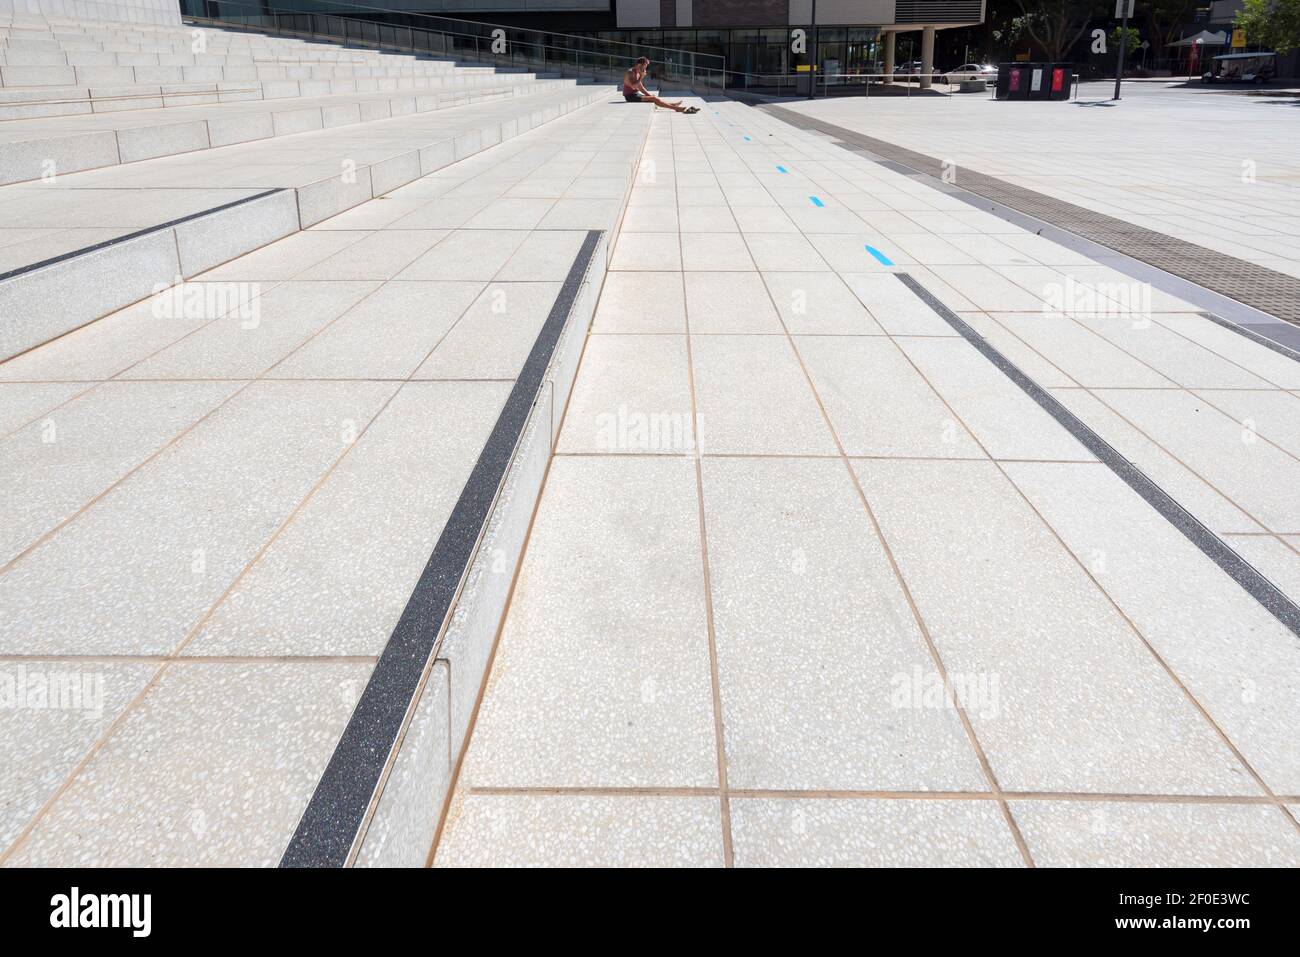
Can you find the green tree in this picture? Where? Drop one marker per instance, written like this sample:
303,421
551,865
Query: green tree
1134,39
1272,24
1057,25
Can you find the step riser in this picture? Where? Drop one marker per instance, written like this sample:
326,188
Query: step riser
29,160
45,303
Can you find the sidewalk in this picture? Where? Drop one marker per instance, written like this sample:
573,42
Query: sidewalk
791,505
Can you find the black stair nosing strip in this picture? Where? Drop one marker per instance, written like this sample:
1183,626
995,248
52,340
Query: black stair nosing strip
73,254
334,816
1220,302
1255,583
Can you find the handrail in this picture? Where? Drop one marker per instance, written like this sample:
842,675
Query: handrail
633,48
578,56
798,83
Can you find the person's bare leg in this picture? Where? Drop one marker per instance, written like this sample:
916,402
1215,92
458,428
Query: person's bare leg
664,103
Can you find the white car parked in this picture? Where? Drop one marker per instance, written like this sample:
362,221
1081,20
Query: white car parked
971,71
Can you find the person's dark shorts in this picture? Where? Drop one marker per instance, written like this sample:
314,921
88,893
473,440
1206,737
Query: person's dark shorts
633,97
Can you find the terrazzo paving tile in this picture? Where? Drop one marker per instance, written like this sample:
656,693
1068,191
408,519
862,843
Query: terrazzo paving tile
706,219
754,398
819,304
54,711
285,258
793,556
933,251
510,214
1248,685
1007,422
1262,479
494,336
848,253
381,255
814,221
446,212
1274,416
715,251
729,302
1017,352
656,252
640,302
632,395
108,346
650,219
546,255
1177,358
941,290
213,768
467,254
134,572
899,311
515,830
781,251
763,219
1217,512
989,290
1083,705
580,214
386,335
246,341
1123,834
602,675
54,466
870,833
1278,560
878,403
1278,369
24,402
1084,356
336,579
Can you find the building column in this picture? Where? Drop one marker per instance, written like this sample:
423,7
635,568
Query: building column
889,56
927,56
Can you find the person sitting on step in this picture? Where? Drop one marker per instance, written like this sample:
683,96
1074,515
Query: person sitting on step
634,90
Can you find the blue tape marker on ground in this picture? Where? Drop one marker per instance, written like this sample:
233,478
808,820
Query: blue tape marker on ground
816,202
747,137
782,169
880,257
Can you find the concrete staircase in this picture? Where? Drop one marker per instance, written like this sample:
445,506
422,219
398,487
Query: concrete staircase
133,155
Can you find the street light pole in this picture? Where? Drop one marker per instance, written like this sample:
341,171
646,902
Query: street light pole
1123,41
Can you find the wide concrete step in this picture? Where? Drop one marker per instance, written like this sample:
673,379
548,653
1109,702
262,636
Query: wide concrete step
132,230
30,102
35,149
22,76
184,55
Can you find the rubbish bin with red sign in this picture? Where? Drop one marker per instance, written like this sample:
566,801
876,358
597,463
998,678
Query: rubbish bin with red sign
1014,80
1034,81
1060,77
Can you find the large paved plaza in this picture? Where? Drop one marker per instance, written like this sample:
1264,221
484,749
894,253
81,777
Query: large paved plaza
533,478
